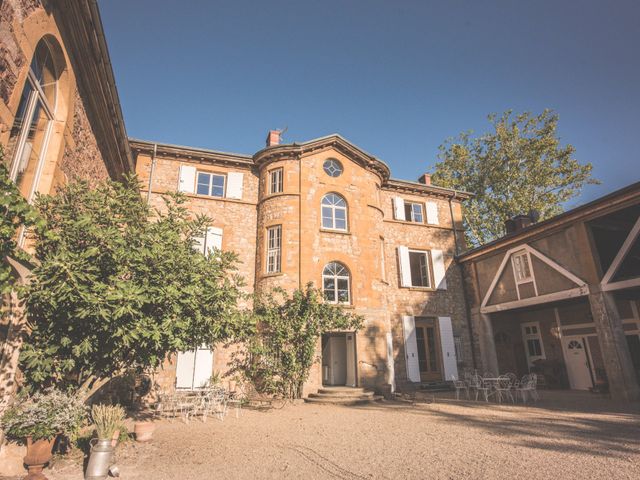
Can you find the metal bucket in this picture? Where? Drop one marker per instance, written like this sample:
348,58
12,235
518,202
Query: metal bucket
101,459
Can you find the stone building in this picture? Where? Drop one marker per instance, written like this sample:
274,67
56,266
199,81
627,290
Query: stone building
60,117
326,212
561,297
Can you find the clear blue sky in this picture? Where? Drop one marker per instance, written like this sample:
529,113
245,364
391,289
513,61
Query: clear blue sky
394,77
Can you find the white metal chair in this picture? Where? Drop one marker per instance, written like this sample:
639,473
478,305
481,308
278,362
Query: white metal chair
460,385
503,388
479,386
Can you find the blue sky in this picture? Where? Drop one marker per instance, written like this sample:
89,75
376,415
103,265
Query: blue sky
395,77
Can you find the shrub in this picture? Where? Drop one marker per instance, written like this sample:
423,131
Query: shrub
107,419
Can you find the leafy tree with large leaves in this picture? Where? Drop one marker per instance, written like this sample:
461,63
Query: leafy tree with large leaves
518,168
119,286
279,353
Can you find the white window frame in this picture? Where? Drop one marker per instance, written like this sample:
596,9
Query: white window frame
532,336
276,180
335,279
334,208
383,264
411,217
274,249
427,256
210,188
514,264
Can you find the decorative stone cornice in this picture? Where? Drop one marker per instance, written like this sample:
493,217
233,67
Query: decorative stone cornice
406,186
83,36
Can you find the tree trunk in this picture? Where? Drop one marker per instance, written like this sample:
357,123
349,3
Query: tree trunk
10,352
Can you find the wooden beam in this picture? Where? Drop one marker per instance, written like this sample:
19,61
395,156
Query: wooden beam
548,298
626,246
632,282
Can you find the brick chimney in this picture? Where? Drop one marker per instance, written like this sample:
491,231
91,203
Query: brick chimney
425,179
518,223
273,138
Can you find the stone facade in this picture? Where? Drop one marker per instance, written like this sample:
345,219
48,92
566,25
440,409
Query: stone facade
368,247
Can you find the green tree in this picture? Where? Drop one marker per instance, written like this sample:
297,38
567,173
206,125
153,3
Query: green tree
118,286
279,353
517,168
15,212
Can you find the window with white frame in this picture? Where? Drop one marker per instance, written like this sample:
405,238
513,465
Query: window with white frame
521,267
210,184
334,212
383,265
533,341
413,212
336,283
274,248
275,180
31,129
419,265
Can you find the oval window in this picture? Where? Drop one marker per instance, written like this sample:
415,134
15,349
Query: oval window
332,167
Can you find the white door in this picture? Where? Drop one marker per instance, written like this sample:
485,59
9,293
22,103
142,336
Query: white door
194,368
575,355
411,348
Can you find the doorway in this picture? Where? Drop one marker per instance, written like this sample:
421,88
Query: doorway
577,362
339,359
427,339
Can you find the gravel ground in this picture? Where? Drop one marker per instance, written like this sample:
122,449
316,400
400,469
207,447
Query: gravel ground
565,436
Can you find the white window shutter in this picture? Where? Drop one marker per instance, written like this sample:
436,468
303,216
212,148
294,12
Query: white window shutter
405,266
234,185
439,270
199,244
391,371
184,369
214,239
449,361
203,367
411,348
432,213
187,182
398,208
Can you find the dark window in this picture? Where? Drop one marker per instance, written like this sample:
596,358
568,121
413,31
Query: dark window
419,264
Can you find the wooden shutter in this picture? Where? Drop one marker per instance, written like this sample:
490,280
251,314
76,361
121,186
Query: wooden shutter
184,369
203,367
411,348
199,244
187,182
449,361
214,239
234,185
405,266
398,208
432,213
439,270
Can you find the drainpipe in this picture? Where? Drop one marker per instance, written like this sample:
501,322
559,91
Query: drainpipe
153,167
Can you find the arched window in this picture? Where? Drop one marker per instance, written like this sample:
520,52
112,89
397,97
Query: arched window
334,212
335,283
31,128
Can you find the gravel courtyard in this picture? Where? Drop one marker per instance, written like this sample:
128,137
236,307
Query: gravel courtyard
566,437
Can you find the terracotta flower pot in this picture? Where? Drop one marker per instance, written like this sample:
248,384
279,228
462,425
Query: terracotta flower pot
144,430
38,455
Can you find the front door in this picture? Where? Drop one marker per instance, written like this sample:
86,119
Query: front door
428,349
577,363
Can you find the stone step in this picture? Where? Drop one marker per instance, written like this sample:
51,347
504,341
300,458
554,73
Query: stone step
348,401
352,395
344,391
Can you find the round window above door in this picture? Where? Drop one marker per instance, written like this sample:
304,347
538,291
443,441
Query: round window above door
332,167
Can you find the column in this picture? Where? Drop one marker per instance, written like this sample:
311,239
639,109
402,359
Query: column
484,330
623,384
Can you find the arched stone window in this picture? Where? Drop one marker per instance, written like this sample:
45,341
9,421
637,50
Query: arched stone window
336,283
334,212
31,128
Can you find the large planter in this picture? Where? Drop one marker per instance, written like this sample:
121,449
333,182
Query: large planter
38,455
144,430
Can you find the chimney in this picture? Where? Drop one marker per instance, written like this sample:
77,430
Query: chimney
273,138
425,179
518,223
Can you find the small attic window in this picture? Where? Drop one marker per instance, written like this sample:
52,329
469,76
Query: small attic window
332,167
521,267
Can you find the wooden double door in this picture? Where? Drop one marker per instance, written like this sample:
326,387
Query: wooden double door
428,344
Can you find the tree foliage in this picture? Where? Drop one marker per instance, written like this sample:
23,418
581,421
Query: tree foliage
279,353
517,168
15,212
119,285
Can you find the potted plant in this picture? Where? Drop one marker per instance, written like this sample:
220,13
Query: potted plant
108,420
37,421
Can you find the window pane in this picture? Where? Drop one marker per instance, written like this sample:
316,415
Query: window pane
343,296
329,289
203,183
217,187
33,146
341,224
327,217
417,212
407,211
417,262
